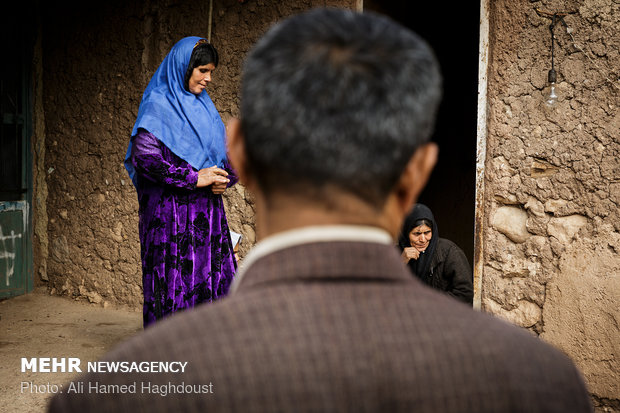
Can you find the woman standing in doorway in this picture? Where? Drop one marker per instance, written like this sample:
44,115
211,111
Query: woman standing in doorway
438,262
177,161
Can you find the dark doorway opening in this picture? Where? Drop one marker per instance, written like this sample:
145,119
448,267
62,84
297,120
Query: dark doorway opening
15,156
452,30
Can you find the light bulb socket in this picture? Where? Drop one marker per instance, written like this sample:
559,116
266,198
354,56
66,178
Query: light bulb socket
553,76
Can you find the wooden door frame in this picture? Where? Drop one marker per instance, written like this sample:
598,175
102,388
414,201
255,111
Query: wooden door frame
481,152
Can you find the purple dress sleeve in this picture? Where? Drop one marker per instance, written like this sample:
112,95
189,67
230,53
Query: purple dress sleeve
232,175
147,156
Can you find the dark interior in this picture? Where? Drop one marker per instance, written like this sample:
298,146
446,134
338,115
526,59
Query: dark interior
452,30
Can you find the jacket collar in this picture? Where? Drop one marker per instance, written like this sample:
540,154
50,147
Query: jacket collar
325,261
308,235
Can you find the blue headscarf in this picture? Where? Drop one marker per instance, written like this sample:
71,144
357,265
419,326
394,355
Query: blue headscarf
189,125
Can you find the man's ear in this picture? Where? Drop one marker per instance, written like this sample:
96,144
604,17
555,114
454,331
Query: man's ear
411,182
416,174
236,151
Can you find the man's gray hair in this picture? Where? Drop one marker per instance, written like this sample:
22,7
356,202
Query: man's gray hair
335,98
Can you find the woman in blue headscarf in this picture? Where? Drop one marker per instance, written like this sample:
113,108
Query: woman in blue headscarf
177,161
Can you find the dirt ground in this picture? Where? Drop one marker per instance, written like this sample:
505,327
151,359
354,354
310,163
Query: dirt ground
40,325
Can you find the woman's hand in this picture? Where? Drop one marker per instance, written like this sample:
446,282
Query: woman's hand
410,253
213,176
219,188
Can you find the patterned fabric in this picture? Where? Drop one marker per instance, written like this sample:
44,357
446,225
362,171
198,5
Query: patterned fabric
337,327
186,250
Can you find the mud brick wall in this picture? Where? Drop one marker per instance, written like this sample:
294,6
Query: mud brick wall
552,182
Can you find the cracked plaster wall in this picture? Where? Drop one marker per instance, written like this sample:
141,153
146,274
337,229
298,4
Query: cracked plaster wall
552,183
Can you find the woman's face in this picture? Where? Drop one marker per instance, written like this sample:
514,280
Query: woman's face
199,78
420,237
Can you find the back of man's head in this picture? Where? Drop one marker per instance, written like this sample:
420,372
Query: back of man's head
337,99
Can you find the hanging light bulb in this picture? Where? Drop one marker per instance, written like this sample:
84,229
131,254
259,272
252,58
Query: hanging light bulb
551,97
551,92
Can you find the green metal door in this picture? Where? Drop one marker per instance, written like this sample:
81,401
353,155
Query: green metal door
15,158
13,266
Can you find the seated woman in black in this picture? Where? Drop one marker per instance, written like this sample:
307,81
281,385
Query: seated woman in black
438,262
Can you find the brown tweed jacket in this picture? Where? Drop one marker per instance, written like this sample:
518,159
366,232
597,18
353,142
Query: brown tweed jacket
337,327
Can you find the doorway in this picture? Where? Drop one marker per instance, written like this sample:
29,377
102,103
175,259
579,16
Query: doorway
15,157
452,30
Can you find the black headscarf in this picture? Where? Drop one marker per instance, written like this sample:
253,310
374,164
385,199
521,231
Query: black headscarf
421,266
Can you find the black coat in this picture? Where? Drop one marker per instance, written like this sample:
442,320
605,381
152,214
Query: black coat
450,271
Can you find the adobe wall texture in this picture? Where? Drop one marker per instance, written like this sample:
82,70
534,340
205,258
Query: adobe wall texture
94,69
552,183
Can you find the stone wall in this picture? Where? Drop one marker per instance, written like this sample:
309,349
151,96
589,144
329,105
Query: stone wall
94,69
552,182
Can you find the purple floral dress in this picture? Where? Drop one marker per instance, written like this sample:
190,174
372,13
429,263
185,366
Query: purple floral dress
187,255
